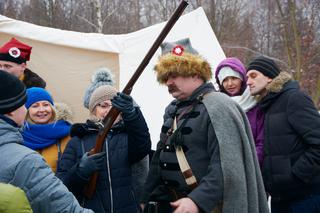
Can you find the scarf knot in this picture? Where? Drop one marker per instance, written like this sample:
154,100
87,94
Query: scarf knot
40,136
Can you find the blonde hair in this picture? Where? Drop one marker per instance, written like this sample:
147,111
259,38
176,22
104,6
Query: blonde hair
52,119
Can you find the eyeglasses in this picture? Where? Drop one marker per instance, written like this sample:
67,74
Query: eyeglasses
105,105
5,66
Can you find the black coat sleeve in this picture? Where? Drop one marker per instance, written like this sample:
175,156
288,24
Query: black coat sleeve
305,120
138,137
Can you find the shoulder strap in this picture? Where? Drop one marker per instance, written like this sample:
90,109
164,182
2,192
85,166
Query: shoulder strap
183,163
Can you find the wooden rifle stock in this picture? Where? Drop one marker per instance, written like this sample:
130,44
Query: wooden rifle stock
113,113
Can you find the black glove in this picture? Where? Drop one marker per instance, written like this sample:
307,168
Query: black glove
91,163
124,103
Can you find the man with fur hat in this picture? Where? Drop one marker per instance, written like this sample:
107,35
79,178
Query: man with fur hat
291,167
13,59
205,160
21,166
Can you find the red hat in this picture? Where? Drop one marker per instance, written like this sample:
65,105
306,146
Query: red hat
15,51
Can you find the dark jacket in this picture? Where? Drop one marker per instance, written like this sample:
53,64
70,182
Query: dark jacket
127,143
32,79
291,167
201,148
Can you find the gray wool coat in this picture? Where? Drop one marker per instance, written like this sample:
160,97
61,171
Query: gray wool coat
242,181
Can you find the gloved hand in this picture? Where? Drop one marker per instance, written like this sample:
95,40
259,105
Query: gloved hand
91,163
124,103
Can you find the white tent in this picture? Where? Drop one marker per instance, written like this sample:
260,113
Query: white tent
66,60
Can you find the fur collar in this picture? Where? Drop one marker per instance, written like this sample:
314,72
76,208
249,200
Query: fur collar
278,82
63,112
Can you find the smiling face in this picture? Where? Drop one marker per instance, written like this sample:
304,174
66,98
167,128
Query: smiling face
257,82
41,112
232,85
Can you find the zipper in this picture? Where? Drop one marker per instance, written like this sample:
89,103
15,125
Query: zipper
109,176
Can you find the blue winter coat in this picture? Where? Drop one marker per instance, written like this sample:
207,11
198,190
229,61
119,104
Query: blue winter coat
26,169
127,142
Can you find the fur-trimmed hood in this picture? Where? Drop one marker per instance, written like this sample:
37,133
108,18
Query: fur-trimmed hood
279,85
278,82
92,127
63,112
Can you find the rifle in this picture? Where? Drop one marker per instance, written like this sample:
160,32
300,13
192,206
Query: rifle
113,113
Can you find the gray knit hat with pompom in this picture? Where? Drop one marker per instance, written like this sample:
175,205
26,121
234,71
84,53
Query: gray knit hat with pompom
102,93
102,76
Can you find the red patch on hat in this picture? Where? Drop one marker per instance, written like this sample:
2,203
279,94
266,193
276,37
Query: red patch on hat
16,49
178,50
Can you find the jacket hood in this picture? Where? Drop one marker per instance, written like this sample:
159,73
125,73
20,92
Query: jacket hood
279,85
92,127
236,65
63,112
278,82
9,134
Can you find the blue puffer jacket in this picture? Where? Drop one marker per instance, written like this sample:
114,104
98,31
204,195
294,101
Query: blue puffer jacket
26,169
127,143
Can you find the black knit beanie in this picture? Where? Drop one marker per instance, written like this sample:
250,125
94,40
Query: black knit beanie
264,65
12,93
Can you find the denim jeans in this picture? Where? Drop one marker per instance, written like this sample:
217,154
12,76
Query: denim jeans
310,204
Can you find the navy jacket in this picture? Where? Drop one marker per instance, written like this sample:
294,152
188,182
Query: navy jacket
127,142
291,168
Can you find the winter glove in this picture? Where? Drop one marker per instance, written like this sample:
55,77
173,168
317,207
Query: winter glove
124,103
91,163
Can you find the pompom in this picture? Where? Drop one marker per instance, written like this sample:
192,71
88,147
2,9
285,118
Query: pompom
102,76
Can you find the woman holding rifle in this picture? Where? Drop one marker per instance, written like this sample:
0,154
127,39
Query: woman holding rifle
127,142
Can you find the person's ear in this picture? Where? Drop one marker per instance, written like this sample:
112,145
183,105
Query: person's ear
24,66
10,114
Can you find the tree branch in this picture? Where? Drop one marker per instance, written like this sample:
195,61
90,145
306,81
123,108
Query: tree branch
255,52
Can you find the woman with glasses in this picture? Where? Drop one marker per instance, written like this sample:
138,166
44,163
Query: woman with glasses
127,142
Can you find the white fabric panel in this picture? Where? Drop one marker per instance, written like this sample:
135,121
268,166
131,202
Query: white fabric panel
66,60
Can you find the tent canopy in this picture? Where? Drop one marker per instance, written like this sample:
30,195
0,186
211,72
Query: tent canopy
67,60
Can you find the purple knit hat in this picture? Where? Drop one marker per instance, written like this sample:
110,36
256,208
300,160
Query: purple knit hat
237,66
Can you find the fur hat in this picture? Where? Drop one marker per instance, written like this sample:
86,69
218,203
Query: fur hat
180,58
264,65
15,51
102,93
102,76
36,94
12,93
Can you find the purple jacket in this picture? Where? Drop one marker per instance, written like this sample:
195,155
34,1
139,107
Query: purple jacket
256,120
255,115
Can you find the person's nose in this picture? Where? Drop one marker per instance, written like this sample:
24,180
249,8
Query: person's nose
229,82
249,82
169,82
41,108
